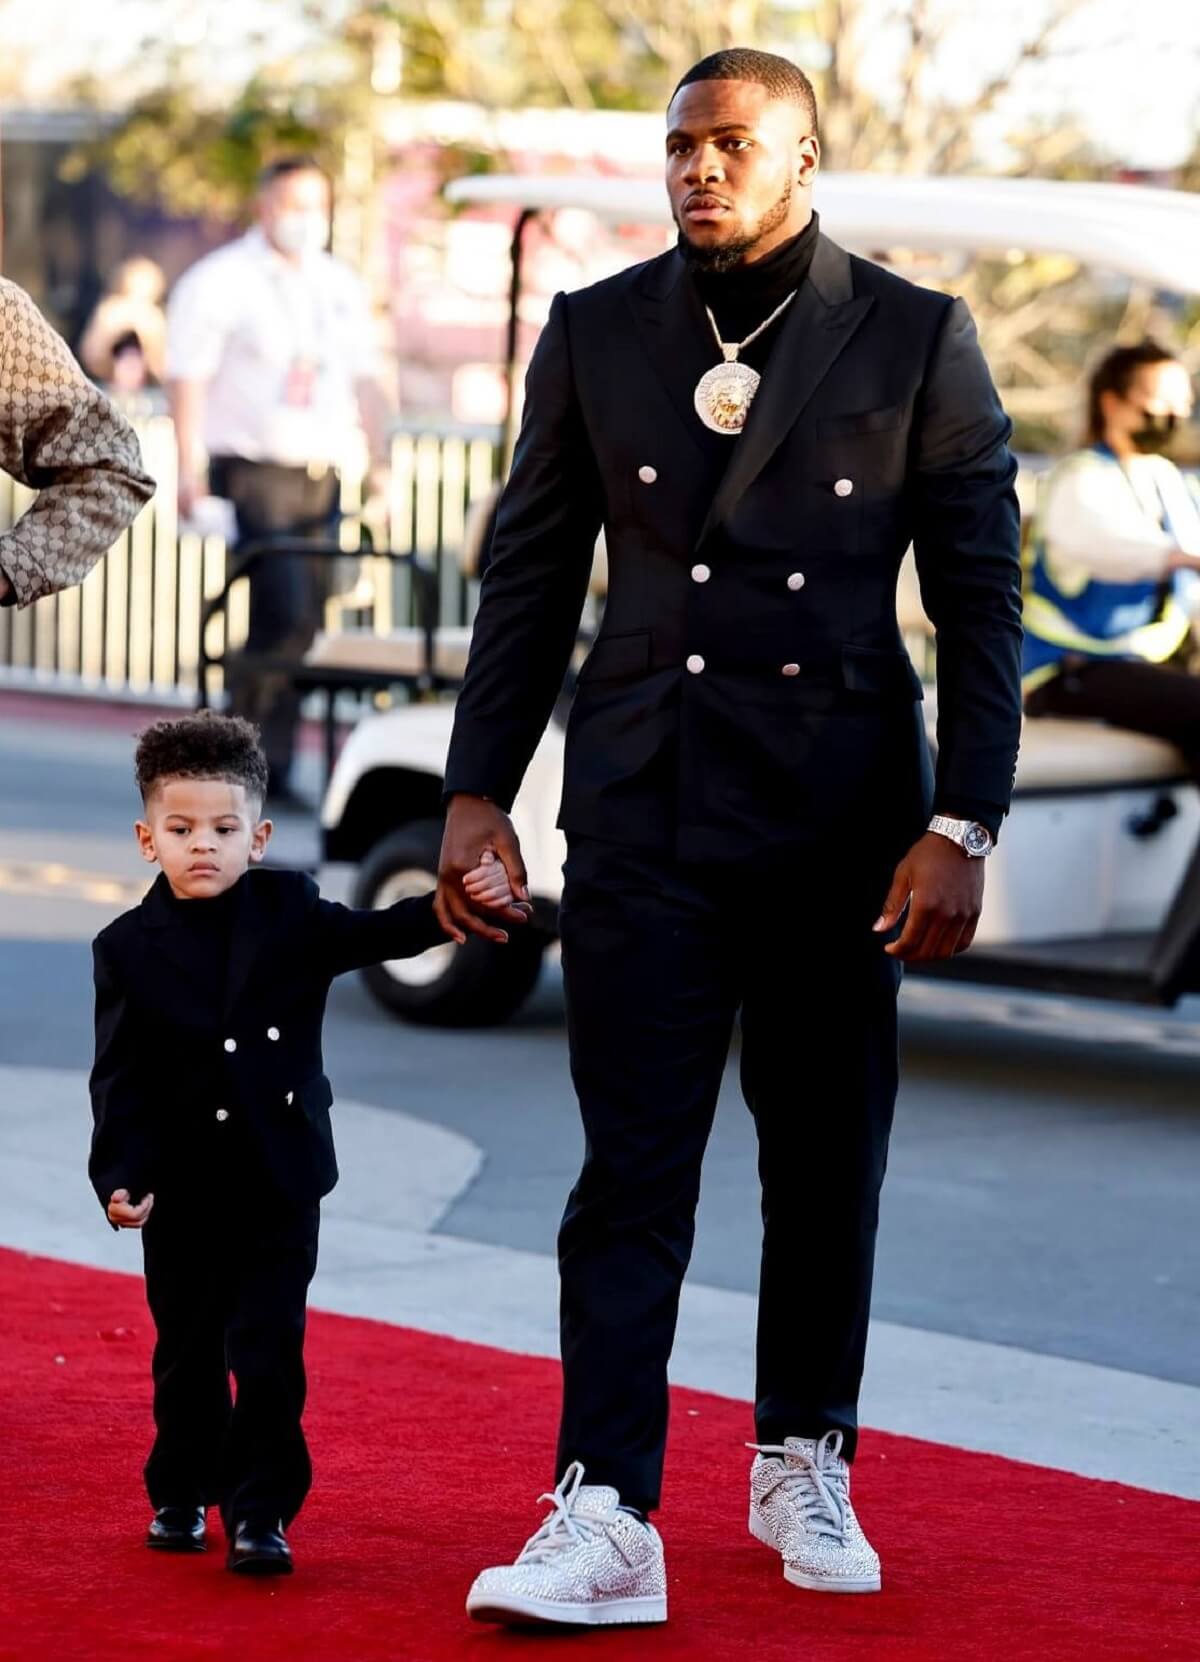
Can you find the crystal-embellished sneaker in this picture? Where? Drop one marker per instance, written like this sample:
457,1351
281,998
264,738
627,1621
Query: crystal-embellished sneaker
589,1564
800,1505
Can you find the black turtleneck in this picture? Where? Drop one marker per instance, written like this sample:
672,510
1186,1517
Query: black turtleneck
746,296
207,926
204,928
740,300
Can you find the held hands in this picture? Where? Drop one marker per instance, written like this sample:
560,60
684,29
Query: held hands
475,829
126,1216
943,889
488,884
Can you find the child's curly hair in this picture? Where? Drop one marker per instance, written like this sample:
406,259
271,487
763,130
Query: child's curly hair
202,746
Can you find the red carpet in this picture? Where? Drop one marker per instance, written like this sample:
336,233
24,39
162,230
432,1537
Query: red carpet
429,1456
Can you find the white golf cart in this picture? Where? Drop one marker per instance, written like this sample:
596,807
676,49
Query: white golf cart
1090,889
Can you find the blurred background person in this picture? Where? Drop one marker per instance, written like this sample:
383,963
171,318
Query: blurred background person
1111,589
60,435
272,367
130,378
128,323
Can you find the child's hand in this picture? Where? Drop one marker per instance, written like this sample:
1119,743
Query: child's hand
488,884
126,1216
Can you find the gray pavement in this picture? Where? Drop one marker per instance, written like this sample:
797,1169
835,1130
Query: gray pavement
1038,1286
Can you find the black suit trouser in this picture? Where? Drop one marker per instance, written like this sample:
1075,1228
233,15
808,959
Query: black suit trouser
230,1303
287,591
658,957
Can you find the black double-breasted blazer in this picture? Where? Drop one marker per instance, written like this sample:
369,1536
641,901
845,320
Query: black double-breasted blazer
749,684
179,1072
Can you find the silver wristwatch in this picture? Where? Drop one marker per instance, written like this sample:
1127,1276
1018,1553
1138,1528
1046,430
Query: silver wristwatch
974,839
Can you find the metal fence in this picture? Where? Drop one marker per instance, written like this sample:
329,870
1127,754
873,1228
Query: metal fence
133,626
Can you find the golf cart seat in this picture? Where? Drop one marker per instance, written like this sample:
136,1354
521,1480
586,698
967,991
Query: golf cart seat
1057,754
1061,755
412,652
403,653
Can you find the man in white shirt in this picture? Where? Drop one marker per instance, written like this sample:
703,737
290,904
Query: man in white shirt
271,369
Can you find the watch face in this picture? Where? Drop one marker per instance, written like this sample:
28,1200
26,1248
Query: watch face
977,839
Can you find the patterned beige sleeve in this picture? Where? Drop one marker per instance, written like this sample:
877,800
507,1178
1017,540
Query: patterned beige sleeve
61,436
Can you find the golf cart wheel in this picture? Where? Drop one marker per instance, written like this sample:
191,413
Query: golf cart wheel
476,985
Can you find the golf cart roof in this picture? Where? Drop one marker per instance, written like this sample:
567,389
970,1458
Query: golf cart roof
1146,234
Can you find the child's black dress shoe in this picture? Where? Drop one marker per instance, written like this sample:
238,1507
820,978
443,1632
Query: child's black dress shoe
259,1549
177,1529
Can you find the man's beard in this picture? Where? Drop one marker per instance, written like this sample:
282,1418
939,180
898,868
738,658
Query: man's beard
726,255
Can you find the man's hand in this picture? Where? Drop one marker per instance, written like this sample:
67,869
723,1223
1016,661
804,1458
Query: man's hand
473,825
943,889
377,497
126,1216
192,486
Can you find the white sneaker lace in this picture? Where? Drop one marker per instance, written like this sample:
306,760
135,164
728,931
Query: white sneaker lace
818,1488
565,1528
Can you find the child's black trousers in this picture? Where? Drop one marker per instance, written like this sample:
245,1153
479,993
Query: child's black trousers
227,1283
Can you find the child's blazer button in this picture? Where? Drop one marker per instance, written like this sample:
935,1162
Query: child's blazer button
272,1032
231,1045
290,1098
222,1114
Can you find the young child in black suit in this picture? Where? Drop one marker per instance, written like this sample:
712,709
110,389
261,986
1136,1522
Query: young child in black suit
211,1123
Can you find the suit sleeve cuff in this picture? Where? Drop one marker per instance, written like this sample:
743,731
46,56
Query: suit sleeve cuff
494,791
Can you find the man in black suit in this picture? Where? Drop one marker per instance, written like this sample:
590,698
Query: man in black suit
212,1130
748,792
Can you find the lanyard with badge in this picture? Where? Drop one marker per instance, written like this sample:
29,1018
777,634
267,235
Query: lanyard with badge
301,301
294,423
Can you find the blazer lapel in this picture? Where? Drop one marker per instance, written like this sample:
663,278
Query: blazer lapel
244,944
675,333
813,331
155,913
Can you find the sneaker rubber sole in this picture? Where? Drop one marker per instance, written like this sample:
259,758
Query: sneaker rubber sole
799,1578
512,1610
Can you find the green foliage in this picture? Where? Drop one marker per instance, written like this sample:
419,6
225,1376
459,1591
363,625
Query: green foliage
196,160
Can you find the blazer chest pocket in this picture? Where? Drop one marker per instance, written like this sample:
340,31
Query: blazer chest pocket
861,423
617,657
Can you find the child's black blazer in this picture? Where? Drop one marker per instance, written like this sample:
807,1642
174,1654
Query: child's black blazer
169,1079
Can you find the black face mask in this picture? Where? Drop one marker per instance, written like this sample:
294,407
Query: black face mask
1155,434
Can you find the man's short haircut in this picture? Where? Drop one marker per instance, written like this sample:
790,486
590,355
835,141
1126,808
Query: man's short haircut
202,746
780,76
284,166
1115,373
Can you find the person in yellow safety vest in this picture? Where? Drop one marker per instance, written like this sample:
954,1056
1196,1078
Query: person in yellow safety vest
1111,582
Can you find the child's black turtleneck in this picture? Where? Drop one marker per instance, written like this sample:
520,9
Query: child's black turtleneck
207,923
